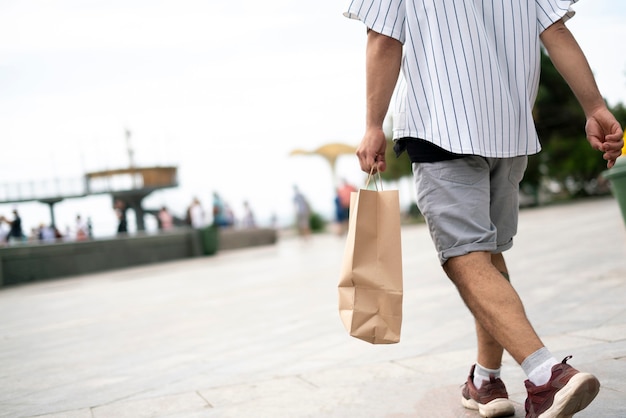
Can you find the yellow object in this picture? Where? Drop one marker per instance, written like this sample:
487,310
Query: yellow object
624,149
330,152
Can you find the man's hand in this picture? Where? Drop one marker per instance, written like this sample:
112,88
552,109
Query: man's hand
371,151
605,135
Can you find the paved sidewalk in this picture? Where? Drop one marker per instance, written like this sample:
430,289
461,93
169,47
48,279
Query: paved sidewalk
256,332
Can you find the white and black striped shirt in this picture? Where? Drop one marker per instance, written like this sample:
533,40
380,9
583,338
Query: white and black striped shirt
470,69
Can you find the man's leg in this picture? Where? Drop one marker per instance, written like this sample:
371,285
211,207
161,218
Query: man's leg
489,350
484,390
496,306
452,196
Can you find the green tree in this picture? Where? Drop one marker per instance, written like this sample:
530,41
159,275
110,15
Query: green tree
620,113
397,167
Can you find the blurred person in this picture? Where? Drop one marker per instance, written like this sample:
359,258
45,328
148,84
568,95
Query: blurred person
248,220
196,215
231,219
89,228
120,211
342,202
3,232
15,228
82,232
166,220
34,235
46,233
222,213
303,213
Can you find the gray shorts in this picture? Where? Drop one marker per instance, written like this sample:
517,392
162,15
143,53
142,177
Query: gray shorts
470,204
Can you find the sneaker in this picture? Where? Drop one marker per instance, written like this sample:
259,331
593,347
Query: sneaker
567,392
491,400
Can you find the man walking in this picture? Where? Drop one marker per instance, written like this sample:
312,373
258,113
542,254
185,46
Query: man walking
464,115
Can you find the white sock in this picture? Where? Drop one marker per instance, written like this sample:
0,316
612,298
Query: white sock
538,366
481,375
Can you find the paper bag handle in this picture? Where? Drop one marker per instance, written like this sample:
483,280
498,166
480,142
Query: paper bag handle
371,176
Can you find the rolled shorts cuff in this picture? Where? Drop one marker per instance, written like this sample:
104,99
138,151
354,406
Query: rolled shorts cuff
474,247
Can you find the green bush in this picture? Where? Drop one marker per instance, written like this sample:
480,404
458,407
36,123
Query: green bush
414,211
316,222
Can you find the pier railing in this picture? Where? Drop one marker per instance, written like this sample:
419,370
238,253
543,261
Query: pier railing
100,182
42,190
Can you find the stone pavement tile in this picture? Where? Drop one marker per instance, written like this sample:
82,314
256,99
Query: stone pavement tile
613,351
608,364
445,402
450,370
416,387
377,391
608,403
80,413
611,373
610,333
405,398
565,344
587,357
179,405
363,375
584,303
380,390
452,364
276,389
279,397
620,317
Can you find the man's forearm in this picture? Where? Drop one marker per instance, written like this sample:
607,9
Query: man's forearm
570,62
383,59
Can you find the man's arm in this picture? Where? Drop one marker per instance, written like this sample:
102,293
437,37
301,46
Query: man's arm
383,59
603,131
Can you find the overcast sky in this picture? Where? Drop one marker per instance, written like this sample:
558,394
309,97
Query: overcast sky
224,90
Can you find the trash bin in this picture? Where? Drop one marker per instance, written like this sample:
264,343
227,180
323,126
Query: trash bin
616,175
209,237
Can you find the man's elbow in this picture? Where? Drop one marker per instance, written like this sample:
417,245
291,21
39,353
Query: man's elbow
553,33
383,40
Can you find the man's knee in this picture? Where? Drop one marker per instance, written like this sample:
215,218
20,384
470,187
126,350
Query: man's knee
470,268
467,265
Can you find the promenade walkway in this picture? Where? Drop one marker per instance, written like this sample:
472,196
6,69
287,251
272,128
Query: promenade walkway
256,332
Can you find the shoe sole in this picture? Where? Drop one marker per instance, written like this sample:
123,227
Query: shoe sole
500,407
575,396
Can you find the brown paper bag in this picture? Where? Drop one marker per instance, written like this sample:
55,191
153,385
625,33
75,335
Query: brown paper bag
370,286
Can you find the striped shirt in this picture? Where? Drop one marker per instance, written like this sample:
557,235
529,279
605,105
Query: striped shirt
470,69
